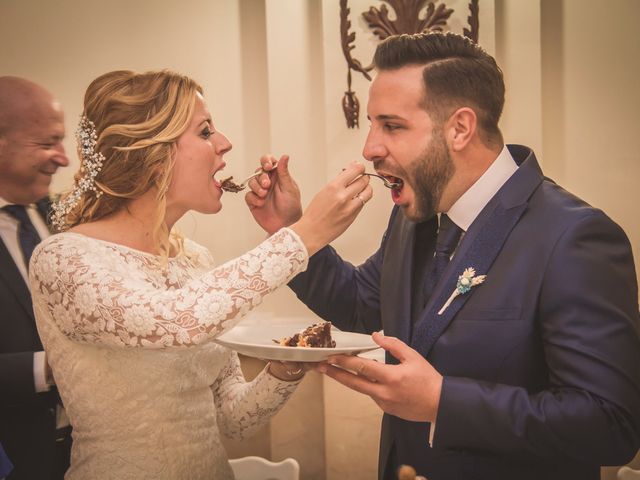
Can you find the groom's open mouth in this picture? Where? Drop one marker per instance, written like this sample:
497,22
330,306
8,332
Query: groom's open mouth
396,190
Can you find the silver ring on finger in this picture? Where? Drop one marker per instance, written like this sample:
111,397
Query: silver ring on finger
360,198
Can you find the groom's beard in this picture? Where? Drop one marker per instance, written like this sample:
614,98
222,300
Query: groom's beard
430,174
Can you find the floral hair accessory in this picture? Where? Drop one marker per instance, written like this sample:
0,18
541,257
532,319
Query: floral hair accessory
90,165
466,282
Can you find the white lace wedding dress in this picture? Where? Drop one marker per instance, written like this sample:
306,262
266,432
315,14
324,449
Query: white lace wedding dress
146,390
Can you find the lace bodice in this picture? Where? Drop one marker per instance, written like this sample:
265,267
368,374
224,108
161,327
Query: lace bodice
129,342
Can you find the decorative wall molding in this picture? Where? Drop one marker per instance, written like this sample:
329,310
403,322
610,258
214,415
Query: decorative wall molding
408,20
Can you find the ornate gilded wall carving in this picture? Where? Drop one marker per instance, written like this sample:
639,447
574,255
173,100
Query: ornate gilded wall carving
408,20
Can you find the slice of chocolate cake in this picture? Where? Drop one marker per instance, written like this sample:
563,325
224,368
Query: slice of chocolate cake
228,185
317,335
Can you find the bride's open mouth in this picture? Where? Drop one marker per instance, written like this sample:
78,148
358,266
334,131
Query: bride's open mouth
215,181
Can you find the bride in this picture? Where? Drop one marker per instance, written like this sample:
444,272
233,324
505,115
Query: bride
127,309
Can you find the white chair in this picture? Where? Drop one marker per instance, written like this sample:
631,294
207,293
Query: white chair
258,468
626,473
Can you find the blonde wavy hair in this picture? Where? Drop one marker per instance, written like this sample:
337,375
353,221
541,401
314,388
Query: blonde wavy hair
138,119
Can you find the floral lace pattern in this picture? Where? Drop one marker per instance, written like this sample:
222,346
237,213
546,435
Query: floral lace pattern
100,292
240,410
155,411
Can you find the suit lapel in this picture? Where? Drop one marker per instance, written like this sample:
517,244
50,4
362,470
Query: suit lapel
44,208
10,274
479,248
480,252
13,280
396,279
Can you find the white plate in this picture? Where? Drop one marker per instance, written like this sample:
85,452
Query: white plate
257,341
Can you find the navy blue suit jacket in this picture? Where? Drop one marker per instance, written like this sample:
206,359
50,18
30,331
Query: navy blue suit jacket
27,418
541,362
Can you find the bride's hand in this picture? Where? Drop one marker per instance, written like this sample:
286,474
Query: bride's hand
288,371
334,208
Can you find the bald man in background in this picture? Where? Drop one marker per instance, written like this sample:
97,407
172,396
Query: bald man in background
33,429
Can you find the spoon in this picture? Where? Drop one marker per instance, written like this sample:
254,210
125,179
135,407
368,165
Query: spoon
229,186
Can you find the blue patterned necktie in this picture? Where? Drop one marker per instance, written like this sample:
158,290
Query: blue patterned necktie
27,234
448,237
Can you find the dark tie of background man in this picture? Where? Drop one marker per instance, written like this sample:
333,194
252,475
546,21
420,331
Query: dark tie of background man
448,238
27,234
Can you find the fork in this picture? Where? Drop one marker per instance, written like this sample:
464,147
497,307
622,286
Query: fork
386,182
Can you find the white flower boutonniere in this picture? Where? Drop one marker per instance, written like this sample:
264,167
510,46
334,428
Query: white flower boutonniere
466,282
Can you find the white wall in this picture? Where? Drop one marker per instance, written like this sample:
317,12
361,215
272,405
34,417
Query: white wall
591,99
66,44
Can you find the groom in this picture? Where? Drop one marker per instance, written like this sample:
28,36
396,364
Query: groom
509,306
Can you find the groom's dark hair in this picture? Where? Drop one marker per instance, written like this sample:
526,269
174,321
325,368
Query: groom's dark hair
457,73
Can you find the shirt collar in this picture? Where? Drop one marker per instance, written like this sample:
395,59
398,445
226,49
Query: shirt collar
4,203
465,210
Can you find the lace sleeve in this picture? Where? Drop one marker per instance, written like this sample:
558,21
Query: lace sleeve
108,299
243,407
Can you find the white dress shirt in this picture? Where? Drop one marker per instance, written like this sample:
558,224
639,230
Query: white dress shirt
467,208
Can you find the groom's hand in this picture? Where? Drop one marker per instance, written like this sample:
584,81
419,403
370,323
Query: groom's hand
409,390
274,198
